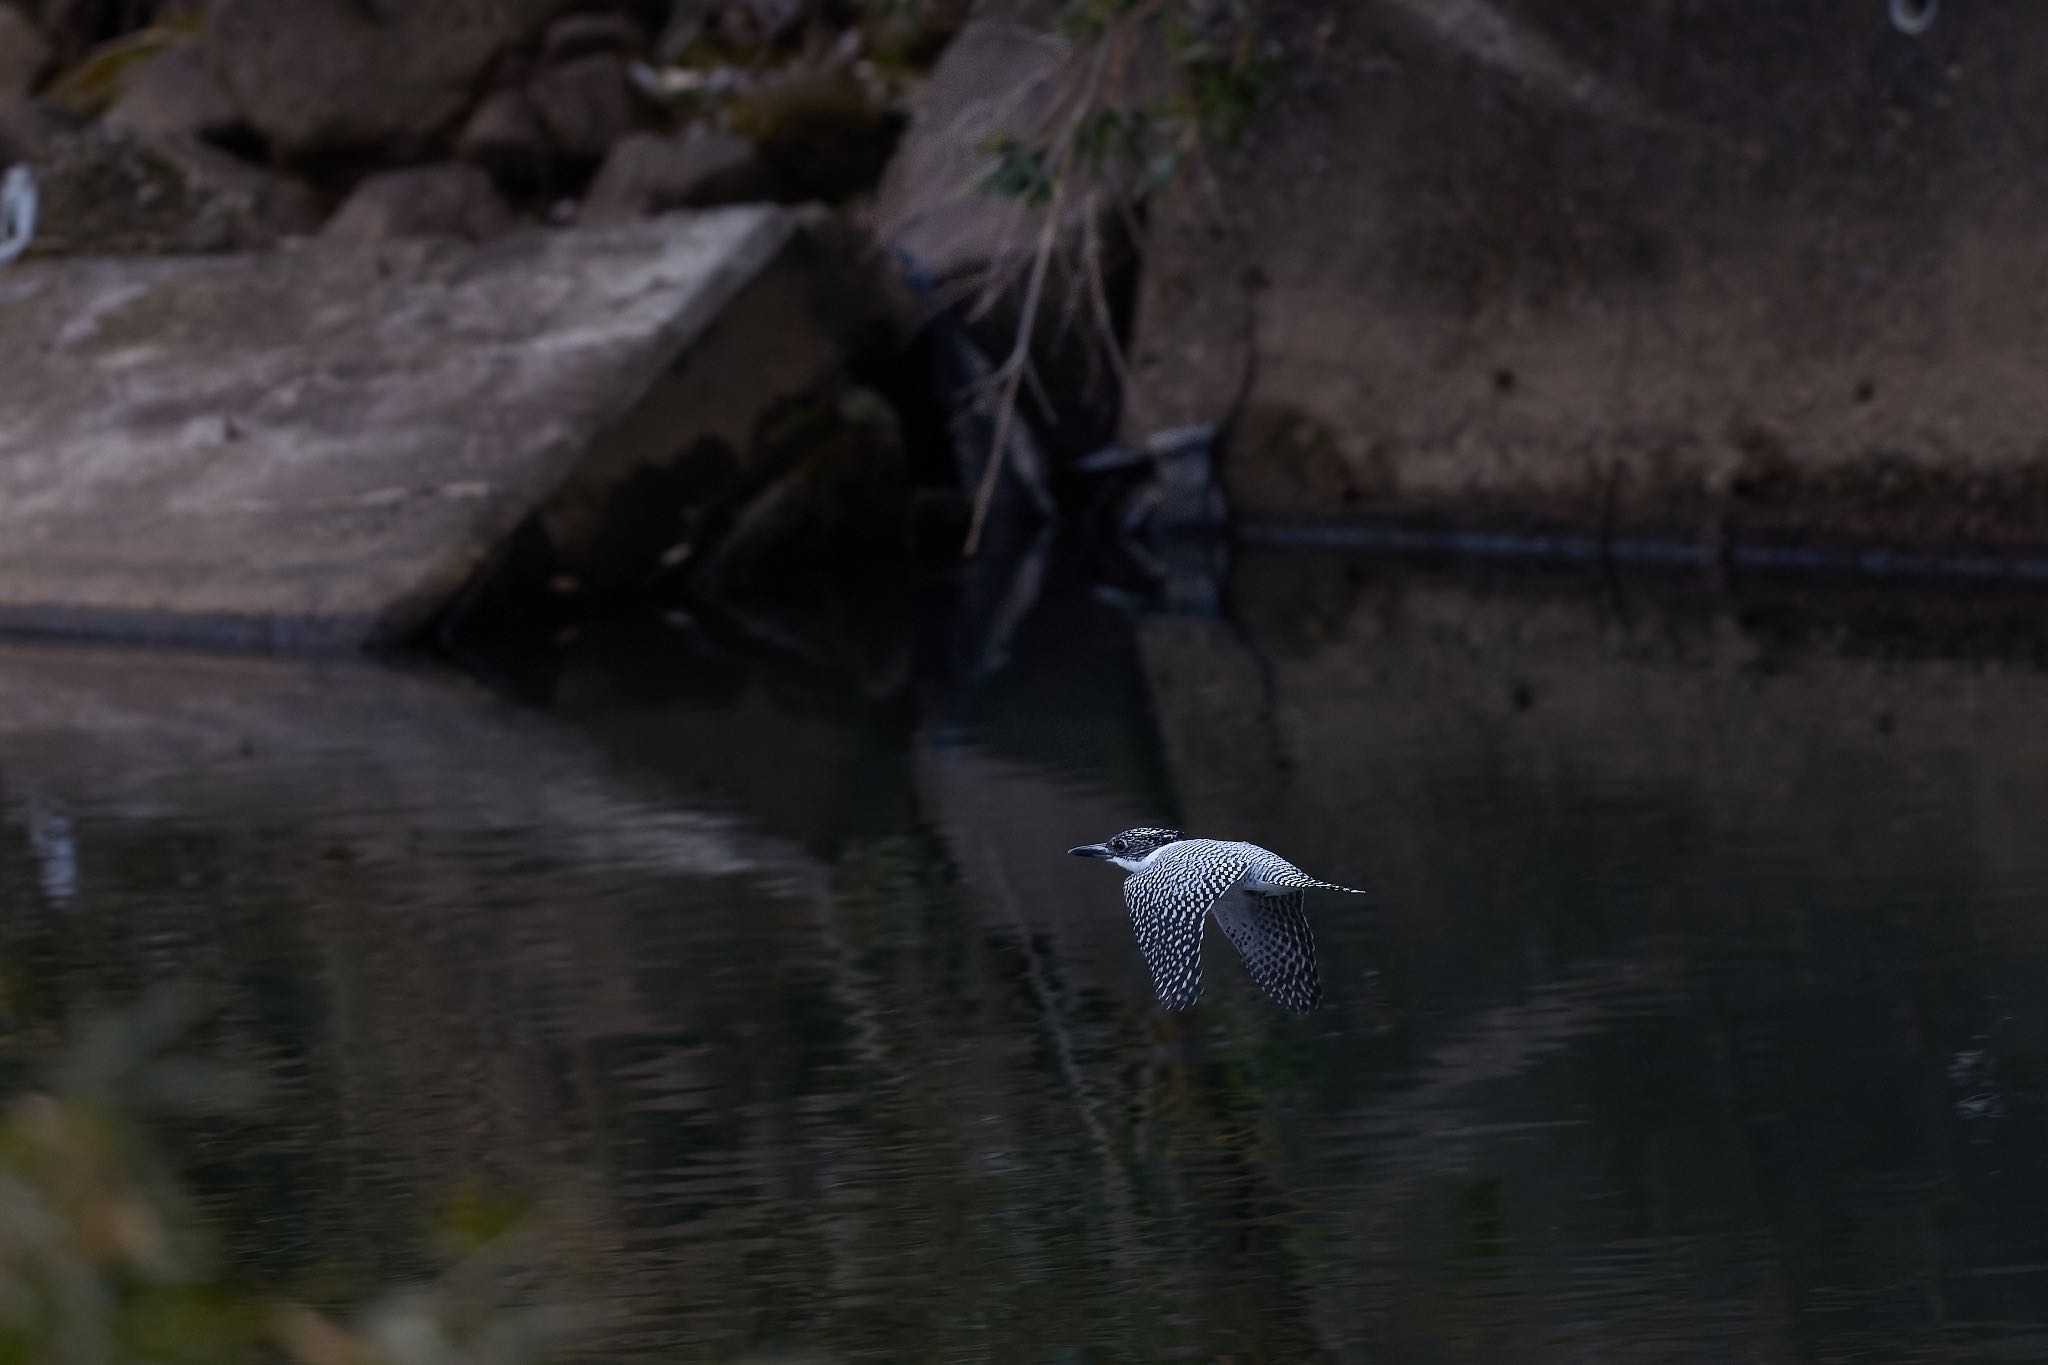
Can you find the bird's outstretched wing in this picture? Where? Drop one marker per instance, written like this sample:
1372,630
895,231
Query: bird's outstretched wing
1271,935
1170,900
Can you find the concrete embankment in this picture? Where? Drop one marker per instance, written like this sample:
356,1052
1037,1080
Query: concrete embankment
321,445
1718,274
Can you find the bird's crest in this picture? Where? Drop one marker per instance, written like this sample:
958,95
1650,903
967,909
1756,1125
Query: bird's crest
1136,843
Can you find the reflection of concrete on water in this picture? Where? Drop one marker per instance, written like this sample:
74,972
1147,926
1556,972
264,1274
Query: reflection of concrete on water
1441,746
1410,1156
52,839
1338,687
335,748
447,873
486,998
1427,1123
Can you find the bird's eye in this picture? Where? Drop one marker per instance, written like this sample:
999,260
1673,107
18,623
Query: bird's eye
1119,844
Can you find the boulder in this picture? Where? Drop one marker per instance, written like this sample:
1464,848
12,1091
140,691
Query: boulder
580,35
754,24
448,199
177,94
653,173
105,188
322,445
74,28
504,136
584,106
995,79
838,499
344,78
24,54
827,135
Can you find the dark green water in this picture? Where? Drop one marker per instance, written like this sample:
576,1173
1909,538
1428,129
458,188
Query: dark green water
1696,1014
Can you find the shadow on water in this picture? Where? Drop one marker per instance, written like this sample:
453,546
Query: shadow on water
1693,1015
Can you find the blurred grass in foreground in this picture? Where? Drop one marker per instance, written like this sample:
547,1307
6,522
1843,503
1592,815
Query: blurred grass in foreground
103,1260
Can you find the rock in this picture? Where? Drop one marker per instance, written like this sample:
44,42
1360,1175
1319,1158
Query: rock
345,77
505,137
580,35
73,28
28,127
913,35
105,188
449,199
824,134
177,94
653,173
585,106
993,80
321,445
760,23
24,54
841,500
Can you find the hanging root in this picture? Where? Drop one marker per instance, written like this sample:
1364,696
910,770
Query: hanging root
1108,70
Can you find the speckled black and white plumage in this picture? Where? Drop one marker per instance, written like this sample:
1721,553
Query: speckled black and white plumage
1255,894
1169,900
1271,935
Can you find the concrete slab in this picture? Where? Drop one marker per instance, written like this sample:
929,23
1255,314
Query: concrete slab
317,446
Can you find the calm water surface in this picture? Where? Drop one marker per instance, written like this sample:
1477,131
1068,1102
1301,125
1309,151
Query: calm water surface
1695,1015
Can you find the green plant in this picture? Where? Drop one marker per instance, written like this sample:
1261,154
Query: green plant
103,1260
1149,85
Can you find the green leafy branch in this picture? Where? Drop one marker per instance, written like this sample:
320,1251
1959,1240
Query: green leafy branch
1150,84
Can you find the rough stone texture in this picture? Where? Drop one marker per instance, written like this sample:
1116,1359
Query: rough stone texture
504,136
24,54
759,23
342,77
585,105
175,95
694,450
823,131
322,444
106,188
1709,271
995,78
450,199
841,500
653,173
75,27
579,35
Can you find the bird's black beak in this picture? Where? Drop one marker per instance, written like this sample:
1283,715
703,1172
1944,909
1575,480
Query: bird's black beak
1089,851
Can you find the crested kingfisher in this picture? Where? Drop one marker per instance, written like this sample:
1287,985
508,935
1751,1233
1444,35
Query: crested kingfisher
1176,883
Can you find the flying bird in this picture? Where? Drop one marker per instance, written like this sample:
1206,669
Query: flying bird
1176,883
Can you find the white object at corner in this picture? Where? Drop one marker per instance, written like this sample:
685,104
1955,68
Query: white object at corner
17,212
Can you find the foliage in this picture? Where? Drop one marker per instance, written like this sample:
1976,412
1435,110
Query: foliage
1166,78
91,86
104,1262
1147,84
